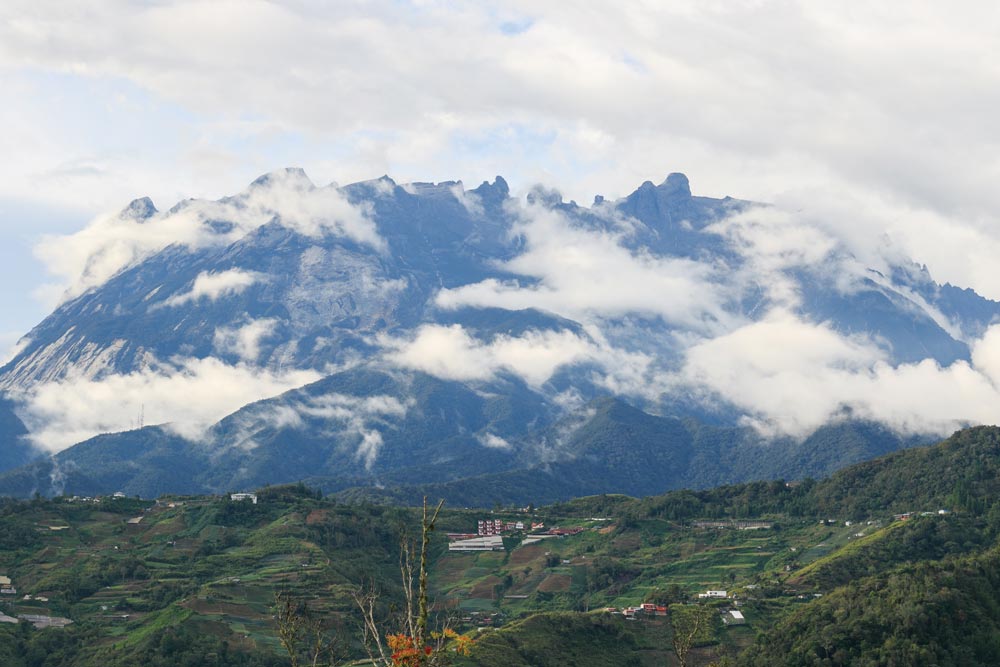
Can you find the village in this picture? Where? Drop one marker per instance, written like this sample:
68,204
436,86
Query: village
490,533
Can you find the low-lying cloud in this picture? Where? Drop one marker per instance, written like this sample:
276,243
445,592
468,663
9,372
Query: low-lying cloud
355,419
451,352
586,274
244,341
791,376
211,286
188,394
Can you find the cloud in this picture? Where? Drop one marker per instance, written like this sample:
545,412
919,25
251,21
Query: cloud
872,129
111,243
244,341
586,274
15,344
774,241
886,106
190,394
491,441
450,352
355,418
211,286
792,376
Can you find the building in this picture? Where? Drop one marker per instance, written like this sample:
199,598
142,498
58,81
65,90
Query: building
244,496
714,595
40,621
491,527
733,618
484,543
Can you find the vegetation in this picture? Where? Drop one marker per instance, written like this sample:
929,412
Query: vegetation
823,572
930,613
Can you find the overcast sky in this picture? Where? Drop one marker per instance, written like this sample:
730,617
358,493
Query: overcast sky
879,118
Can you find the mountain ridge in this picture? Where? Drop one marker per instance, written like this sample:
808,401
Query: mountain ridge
544,305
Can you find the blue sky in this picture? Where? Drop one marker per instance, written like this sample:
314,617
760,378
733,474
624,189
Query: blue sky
878,117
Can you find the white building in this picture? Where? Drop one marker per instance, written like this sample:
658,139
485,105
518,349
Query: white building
734,618
715,595
486,543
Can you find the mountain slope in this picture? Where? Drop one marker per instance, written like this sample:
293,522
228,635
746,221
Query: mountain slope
458,333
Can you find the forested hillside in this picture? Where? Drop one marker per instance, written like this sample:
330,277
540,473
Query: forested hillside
888,562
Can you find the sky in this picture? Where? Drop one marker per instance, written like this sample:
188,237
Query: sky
876,120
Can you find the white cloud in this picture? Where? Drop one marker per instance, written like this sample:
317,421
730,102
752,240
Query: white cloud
244,341
792,377
866,124
190,394
886,104
491,441
450,352
353,417
211,286
585,274
774,241
15,344
111,243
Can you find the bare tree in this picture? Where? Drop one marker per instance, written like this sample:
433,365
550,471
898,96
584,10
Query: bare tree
302,634
413,645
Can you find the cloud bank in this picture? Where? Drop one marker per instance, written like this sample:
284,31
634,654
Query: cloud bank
188,394
452,353
887,105
792,377
585,274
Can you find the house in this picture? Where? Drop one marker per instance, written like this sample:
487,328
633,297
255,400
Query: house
491,527
714,595
4,581
8,590
734,618
252,497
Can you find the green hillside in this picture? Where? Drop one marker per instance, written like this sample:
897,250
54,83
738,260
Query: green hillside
814,568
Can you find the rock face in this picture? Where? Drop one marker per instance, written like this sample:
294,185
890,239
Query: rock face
286,275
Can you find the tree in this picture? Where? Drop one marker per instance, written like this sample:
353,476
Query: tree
302,633
689,624
411,645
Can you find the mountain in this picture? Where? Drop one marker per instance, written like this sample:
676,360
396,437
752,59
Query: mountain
322,434
393,336
15,448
